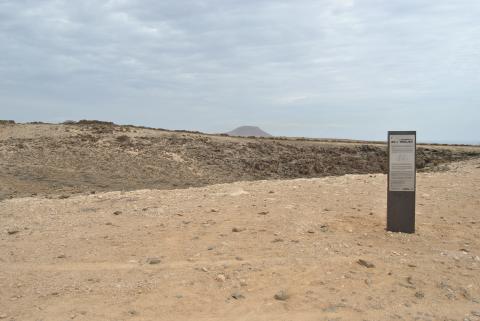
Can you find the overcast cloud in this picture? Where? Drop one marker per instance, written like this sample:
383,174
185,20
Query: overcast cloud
327,68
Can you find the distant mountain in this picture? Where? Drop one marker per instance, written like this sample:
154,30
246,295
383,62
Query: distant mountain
248,131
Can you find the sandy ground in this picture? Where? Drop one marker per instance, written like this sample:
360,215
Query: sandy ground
223,252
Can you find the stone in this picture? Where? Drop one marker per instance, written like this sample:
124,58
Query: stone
117,212
311,231
237,296
263,213
366,263
281,295
204,269
238,229
419,295
221,278
12,231
476,313
61,256
153,260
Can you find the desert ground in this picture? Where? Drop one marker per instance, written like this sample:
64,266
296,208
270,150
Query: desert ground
89,156
310,248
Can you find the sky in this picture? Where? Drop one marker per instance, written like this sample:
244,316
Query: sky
324,68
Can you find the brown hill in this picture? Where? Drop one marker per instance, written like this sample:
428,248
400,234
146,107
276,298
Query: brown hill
48,159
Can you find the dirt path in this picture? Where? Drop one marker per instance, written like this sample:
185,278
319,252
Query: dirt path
222,252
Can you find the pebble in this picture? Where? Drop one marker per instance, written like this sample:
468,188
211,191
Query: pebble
476,313
263,213
238,229
237,296
281,295
153,260
61,256
204,269
419,295
221,278
365,263
12,231
117,212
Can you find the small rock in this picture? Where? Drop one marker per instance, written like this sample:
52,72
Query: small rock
62,197
61,256
238,229
419,295
221,278
243,282
476,313
132,312
12,231
204,269
238,258
277,240
117,212
210,248
213,210
263,213
108,223
153,260
281,295
311,231
237,296
365,263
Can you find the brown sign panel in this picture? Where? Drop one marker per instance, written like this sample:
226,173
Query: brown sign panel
401,181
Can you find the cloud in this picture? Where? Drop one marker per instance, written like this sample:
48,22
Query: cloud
213,64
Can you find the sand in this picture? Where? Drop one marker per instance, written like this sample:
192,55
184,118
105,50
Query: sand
223,252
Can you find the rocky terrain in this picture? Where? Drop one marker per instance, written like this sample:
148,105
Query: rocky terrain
302,249
91,156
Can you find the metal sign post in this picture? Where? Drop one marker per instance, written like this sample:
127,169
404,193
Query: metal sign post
402,147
